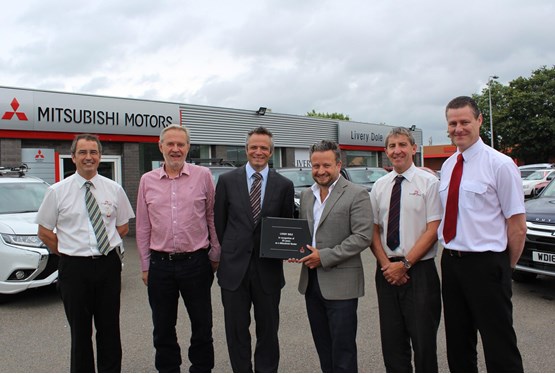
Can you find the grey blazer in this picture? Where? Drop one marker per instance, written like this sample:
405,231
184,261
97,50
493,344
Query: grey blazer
344,231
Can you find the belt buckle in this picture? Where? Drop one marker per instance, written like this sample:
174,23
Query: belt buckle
170,256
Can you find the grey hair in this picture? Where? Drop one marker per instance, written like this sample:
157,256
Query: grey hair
174,127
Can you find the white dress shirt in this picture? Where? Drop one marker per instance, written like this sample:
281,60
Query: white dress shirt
64,210
490,193
420,205
319,206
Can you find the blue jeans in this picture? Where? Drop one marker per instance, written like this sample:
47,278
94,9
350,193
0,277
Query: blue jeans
192,278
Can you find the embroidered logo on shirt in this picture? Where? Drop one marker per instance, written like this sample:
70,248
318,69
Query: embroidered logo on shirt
415,193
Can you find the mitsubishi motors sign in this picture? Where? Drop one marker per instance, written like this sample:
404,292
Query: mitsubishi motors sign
30,110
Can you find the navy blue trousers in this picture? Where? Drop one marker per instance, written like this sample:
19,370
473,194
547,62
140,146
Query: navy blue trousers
334,328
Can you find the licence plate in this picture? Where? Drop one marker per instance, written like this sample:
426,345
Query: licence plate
548,258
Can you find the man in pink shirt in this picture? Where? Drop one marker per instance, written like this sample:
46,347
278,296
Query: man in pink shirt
179,251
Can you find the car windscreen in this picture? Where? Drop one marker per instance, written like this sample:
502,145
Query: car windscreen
549,190
365,176
300,178
536,176
21,197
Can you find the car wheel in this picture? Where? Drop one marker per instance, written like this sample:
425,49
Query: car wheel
523,276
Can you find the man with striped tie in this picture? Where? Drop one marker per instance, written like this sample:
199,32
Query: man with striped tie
407,212
83,220
243,197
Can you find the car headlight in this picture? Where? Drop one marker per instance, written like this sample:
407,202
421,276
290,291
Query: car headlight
23,240
297,201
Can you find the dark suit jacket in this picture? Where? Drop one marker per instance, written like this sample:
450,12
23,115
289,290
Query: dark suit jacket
238,235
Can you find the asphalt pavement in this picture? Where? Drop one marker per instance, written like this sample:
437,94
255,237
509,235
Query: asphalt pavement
34,334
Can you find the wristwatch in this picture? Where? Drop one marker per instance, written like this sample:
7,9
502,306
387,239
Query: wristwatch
407,263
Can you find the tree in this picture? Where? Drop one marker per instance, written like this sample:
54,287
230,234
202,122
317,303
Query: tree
338,116
523,116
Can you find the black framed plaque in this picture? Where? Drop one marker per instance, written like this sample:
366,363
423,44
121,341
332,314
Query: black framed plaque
284,238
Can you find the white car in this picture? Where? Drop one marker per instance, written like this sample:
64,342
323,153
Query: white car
25,262
529,183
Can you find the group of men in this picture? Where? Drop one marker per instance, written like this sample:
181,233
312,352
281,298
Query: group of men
187,229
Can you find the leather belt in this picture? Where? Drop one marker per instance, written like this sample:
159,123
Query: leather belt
176,256
97,257
454,253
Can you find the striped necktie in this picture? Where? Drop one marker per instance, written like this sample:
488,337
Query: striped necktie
103,243
394,215
256,188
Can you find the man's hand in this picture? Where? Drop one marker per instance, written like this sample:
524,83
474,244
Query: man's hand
145,278
395,273
214,265
312,261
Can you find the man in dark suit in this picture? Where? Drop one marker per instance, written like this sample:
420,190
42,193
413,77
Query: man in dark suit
339,216
243,197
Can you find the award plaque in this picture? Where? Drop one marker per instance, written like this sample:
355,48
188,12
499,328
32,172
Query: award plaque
284,238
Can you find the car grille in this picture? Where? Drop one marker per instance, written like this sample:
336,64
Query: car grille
539,238
51,266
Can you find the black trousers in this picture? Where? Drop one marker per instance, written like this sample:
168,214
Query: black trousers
191,277
90,290
477,293
410,315
237,306
334,328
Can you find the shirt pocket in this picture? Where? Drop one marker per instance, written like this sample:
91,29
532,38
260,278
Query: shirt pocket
473,195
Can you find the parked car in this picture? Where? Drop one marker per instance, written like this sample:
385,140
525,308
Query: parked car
538,257
529,183
364,175
217,166
25,261
526,170
219,170
301,178
434,173
539,188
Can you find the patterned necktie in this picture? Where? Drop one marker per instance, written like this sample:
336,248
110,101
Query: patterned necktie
452,206
256,188
394,214
103,243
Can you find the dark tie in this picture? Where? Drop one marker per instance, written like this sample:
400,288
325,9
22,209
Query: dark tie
256,188
394,214
103,243
452,206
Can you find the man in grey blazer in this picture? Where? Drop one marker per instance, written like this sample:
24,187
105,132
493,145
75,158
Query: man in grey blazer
339,216
245,278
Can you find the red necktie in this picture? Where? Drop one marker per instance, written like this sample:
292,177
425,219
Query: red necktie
452,207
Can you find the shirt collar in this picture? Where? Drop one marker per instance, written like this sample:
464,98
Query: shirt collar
473,150
408,174
250,171
81,181
184,170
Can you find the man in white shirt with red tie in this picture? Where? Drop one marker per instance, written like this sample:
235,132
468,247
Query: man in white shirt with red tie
482,232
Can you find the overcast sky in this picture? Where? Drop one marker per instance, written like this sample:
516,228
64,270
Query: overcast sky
396,62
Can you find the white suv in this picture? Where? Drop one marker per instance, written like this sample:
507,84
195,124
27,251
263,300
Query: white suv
25,262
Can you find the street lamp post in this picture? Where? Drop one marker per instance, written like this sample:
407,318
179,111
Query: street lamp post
490,78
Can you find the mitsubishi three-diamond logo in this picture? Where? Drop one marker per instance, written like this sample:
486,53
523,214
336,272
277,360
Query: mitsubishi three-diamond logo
20,115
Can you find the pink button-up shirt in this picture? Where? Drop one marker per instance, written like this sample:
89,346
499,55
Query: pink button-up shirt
176,215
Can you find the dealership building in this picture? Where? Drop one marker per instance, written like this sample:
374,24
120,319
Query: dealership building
37,128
